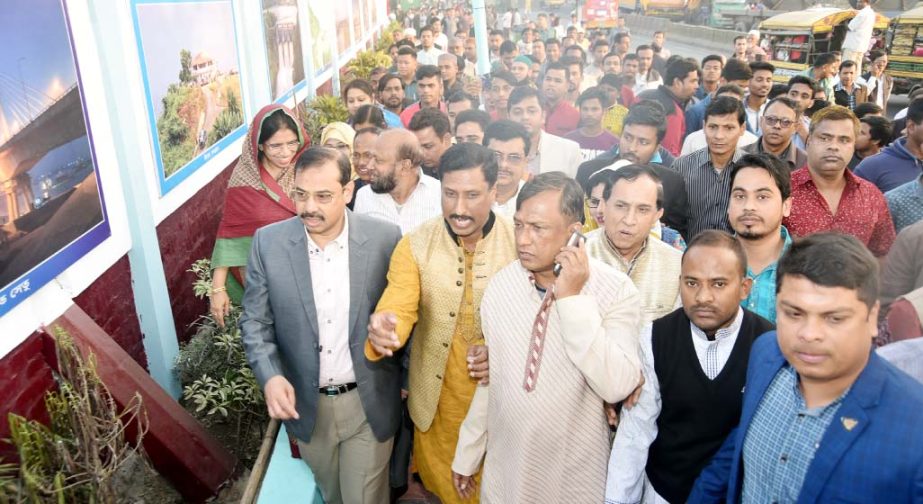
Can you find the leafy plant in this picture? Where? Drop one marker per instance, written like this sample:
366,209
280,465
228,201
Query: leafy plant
77,457
386,38
218,385
319,112
362,65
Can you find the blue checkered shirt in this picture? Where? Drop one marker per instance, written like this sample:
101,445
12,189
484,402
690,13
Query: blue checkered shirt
782,440
762,298
906,203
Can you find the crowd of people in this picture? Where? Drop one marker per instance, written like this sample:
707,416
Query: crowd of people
595,274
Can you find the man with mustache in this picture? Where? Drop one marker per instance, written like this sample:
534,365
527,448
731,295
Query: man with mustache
391,93
633,205
694,362
311,281
761,193
436,280
778,123
824,418
509,142
398,191
562,342
363,143
828,197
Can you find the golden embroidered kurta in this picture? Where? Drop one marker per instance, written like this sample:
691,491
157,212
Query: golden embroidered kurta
655,271
435,289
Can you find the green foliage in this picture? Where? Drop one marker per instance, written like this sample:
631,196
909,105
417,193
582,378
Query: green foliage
218,384
386,39
227,121
319,112
365,61
177,145
77,456
185,63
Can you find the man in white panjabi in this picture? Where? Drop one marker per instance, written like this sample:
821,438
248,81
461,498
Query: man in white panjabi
560,347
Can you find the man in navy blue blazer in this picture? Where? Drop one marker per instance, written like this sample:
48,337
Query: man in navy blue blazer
824,418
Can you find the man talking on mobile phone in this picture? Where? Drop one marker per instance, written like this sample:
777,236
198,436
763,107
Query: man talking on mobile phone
560,346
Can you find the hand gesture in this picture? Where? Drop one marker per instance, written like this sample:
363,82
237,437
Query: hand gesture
632,399
575,270
464,485
280,398
382,335
220,307
477,364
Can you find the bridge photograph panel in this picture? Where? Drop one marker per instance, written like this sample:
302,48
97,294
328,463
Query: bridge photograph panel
191,75
51,207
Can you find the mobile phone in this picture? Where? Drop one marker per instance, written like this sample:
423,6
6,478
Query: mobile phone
571,242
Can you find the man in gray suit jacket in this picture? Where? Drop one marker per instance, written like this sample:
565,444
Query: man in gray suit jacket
312,282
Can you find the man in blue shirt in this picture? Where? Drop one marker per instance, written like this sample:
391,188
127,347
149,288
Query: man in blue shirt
734,72
824,418
761,193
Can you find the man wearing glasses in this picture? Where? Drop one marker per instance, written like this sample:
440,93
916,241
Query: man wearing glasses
509,142
312,281
778,124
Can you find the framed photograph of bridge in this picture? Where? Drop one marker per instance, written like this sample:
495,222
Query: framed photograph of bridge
190,67
283,48
52,210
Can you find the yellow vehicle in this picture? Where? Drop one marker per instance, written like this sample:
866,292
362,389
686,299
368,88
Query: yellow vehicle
793,39
677,10
905,50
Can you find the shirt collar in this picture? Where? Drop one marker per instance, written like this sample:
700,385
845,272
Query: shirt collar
340,241
724,332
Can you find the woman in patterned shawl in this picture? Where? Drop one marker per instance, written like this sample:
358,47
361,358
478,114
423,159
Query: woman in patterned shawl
258,194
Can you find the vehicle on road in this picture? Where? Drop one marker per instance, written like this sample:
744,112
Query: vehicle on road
905,50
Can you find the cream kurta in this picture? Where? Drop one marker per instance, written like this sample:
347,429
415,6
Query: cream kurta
551,444
655,271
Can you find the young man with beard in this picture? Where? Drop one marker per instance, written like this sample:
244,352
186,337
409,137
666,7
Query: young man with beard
824,418
560,346
694,362
509,142
436,280
429,87
759,87
828,197
432,130
633,205
761,193
849,93
363,143
874,134
591,136
562,117
682,80
398,191
780,118
391,93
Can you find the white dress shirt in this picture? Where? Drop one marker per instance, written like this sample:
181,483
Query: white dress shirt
329,269
860,31
424,203
509,208
429,56
626,480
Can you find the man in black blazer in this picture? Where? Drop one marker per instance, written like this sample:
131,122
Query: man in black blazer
312,282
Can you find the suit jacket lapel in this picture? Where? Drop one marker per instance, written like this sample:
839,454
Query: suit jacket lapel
851,419
358,268
301,269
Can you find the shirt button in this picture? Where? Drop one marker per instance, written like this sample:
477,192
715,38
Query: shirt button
438,377
451,314
460,270
784,457
328,321
445,345
461,260
458,283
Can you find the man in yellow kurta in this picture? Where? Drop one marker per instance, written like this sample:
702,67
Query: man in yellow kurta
437,276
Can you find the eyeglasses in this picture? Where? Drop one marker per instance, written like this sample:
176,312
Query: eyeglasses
302,196
512,158
276,147
772,121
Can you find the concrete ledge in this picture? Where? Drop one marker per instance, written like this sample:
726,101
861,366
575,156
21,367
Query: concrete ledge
718,40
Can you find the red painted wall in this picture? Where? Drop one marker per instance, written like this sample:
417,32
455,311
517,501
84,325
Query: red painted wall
186,236
25,376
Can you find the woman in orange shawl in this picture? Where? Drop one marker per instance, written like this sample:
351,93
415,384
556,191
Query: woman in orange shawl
258,194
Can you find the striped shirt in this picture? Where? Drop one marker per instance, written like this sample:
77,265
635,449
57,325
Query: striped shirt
424,203
707,189
782,440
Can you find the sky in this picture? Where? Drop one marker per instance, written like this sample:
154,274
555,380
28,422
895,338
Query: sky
167,28
33,36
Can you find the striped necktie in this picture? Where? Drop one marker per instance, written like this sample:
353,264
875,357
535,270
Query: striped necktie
537,344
